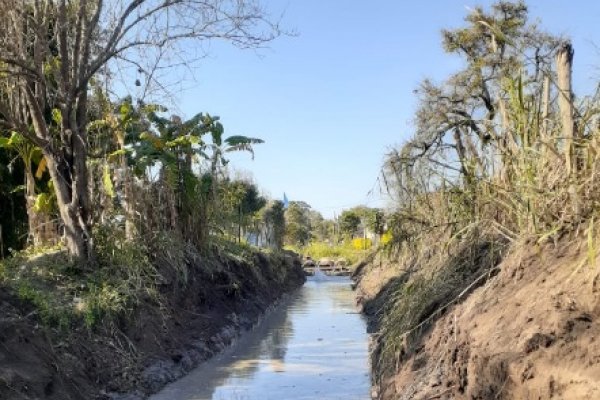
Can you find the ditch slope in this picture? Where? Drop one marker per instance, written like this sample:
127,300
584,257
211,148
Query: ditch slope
150,346
529,330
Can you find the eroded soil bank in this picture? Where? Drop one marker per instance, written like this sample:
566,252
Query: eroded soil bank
530,329
150,346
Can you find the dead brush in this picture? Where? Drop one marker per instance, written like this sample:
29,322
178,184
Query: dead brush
435,283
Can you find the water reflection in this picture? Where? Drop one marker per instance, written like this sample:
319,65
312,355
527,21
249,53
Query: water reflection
314,347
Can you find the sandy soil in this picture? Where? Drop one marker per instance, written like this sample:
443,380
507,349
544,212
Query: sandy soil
531,332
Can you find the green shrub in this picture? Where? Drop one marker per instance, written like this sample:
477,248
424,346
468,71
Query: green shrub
317,250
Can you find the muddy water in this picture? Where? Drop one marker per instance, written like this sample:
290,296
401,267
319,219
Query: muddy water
312,347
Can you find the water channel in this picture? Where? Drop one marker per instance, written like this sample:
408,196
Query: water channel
314,346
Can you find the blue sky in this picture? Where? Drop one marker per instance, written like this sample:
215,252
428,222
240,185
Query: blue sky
332,100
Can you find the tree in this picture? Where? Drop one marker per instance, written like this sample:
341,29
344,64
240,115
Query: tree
190,167
117,129
349,222
320,229
243,201
52,50
371,218
474,124
220,146
498,140
361,216
251,201
298,229
274,219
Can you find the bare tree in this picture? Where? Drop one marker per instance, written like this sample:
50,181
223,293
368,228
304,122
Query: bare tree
50,50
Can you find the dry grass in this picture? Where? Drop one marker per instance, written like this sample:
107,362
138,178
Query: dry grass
466,187
431,279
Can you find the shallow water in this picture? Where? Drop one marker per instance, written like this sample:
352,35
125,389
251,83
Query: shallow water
314,346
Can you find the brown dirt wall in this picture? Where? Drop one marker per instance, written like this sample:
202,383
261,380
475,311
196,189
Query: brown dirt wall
149,347
529,332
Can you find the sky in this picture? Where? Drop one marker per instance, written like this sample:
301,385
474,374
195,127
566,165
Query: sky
330,101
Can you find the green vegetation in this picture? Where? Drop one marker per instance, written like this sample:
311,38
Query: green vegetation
362,221
128,274
56,73
64,295
349,223
105,198
297,224
351,236
317,250
200,205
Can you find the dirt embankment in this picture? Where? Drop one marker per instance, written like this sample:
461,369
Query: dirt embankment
529,330
150,346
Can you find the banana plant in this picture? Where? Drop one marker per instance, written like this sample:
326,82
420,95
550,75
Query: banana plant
173,141
37,204
187,154
117,131
220,146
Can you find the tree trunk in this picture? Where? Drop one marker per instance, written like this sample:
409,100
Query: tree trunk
128,195
70,185
461,153
32,216
564,64
129,204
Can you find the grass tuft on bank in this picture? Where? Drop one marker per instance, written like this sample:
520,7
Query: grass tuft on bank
124,275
